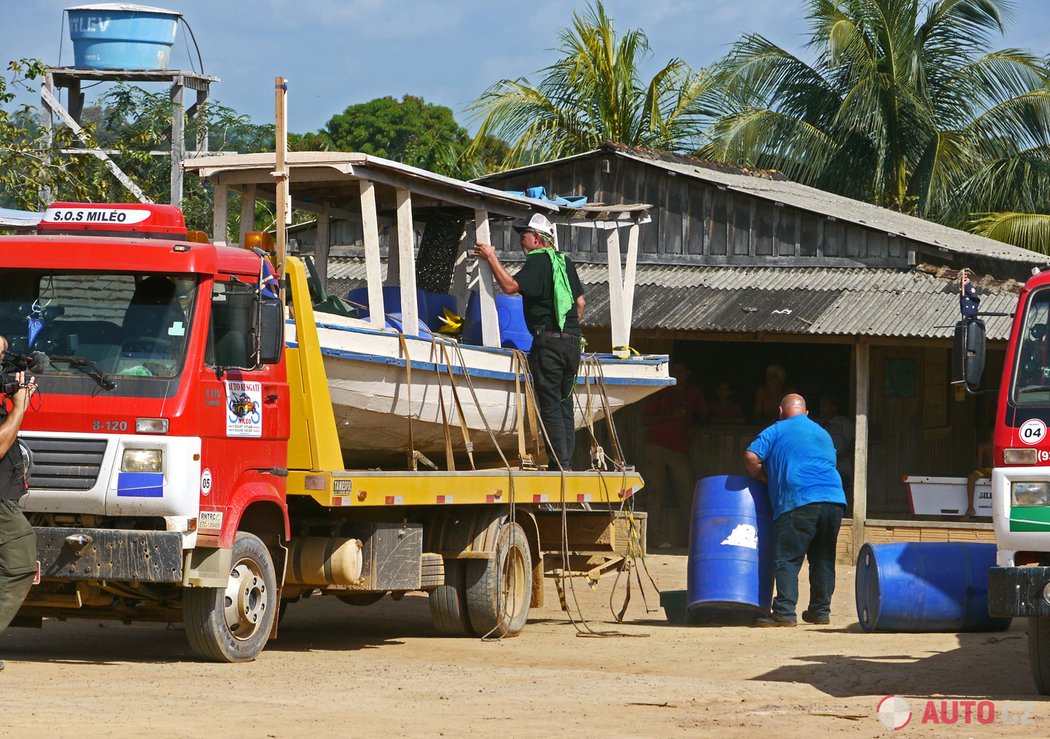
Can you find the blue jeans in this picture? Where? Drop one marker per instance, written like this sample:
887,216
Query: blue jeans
809,531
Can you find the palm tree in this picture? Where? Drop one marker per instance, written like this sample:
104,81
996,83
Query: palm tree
593,93
903,104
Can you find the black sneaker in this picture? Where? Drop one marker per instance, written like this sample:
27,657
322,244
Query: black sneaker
813,618
767,621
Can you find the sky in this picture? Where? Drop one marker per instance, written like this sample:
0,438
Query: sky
336,53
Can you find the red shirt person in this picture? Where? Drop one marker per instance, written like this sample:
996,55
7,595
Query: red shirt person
669,474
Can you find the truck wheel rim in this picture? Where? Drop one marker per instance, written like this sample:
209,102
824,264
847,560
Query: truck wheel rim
513,585
246,600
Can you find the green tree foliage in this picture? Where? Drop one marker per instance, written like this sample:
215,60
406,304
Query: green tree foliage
134,126
408,130
137,124
25,166
595,93
904,104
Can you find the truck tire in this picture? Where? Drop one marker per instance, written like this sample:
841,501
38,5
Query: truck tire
1039,652
232,624
499,590
448,602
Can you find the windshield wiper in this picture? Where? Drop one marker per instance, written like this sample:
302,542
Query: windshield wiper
89,368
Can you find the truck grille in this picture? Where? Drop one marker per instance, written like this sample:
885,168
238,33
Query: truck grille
65,464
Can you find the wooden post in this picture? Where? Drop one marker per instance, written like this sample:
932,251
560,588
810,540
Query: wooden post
219,214
322,240
247,212
486,290
200,106
460,286
630,272
406,259
373,266
47,123
178,138
616,304
860,449
280,174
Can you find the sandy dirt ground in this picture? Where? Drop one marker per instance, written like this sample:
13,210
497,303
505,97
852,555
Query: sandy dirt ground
340,670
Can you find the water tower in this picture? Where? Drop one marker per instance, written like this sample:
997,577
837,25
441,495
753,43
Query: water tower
118,42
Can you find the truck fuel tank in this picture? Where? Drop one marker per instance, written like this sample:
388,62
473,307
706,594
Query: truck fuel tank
321,561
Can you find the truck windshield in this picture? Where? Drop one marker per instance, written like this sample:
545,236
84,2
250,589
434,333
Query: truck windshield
1031,383
130,327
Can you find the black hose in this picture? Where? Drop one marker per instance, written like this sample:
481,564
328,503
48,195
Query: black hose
200,59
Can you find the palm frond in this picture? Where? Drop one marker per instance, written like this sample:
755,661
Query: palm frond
1027,230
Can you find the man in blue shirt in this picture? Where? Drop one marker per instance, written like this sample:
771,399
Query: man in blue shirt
796,457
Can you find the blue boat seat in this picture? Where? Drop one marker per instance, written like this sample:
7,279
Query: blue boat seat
392,307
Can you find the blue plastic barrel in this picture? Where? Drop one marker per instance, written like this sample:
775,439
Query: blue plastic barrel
513,332
731,547
122,36
925,586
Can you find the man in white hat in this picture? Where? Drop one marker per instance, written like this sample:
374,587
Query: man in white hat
553,300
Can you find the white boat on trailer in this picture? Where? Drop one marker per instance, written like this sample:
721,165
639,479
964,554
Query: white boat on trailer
422,391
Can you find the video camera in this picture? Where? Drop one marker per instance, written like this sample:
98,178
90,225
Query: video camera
14,362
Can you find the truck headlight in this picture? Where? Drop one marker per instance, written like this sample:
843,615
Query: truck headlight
1030,493
142,460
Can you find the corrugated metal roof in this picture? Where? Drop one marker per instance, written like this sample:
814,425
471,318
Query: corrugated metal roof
782,190
778,278
808,301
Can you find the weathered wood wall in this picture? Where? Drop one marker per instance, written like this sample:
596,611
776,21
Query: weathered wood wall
698,223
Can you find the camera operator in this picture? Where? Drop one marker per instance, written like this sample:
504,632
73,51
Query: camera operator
17,540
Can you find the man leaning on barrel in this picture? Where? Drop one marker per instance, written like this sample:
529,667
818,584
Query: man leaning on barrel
796,458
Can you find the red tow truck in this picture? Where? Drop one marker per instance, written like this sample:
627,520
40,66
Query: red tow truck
185,463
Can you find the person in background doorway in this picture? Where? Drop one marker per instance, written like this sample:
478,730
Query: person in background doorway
768,395
842,431
723,408
669,474
985,454
796,458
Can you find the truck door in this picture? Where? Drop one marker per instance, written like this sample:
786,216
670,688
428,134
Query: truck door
244,407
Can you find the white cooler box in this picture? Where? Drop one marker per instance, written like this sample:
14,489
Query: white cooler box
946,496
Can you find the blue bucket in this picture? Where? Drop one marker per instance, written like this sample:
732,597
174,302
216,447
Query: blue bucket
925,586
731,547
105,37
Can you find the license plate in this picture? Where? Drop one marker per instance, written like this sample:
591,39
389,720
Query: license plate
36,575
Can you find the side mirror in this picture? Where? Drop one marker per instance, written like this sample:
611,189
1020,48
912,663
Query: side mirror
968,353
270,331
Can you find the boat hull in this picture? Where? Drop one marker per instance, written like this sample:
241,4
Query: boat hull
375,390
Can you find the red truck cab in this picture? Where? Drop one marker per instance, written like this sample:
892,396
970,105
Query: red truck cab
161,423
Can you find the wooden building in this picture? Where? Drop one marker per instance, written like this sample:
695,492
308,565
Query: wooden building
741,269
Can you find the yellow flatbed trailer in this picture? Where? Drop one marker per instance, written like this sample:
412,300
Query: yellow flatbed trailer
479,541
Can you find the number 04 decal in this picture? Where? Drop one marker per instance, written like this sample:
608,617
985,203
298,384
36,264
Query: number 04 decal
1032,431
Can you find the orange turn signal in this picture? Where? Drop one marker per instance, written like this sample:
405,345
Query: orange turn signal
259,240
